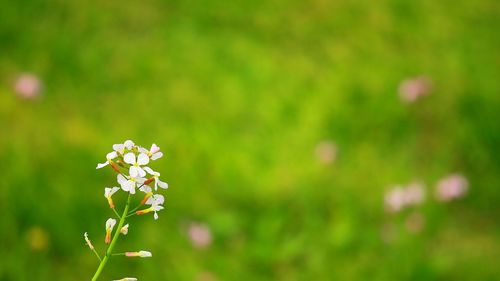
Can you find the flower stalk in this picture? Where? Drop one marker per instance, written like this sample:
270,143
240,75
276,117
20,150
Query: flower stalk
109,252
133,159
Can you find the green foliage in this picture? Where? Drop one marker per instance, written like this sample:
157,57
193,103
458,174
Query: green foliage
238,94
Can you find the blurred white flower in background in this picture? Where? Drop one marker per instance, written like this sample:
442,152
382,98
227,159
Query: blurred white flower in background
395,199
451,187
199,234
400,197
410,90
28,86
326,152
415,193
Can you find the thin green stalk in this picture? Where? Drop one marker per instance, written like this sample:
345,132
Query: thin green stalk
113,242
95,252
118,215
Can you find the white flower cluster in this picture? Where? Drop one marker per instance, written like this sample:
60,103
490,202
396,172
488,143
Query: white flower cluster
133,159
130,162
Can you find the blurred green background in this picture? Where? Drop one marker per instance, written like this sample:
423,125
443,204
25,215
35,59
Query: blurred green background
238,94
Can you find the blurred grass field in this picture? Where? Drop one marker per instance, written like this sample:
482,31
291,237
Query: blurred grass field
238,94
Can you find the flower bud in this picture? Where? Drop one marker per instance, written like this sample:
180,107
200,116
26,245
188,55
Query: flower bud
141,254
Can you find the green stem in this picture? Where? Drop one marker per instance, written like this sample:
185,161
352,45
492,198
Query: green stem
113,242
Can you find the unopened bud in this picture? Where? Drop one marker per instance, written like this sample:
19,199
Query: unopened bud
148,181
115,167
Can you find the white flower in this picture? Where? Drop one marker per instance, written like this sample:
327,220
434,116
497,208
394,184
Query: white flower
109,157
149,192
136,163
129,184
156,176
110,224
28,86
452,187
120,148
108,192
155,201
200,235
124,230
87,240
141,254
127,279
154,153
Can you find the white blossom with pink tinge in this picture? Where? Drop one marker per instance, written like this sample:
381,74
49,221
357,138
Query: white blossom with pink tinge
28,86
400,197
395,199
410,90
451,187
200,235
326,152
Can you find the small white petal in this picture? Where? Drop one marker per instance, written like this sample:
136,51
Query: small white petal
128,144
142,173
159,199
145,254
121,179
161,184
142,150
110,223
110,191
157,208
151,172
154,148
140,180
145,189
155,216
129,158
100,165
111,155
118,148
124,229
143,159
131,187
133,171
157,155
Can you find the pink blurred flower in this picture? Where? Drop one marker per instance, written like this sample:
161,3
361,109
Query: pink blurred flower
413,88
451,187
326,152
400,197
414,193
395,199
28,86
200,235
